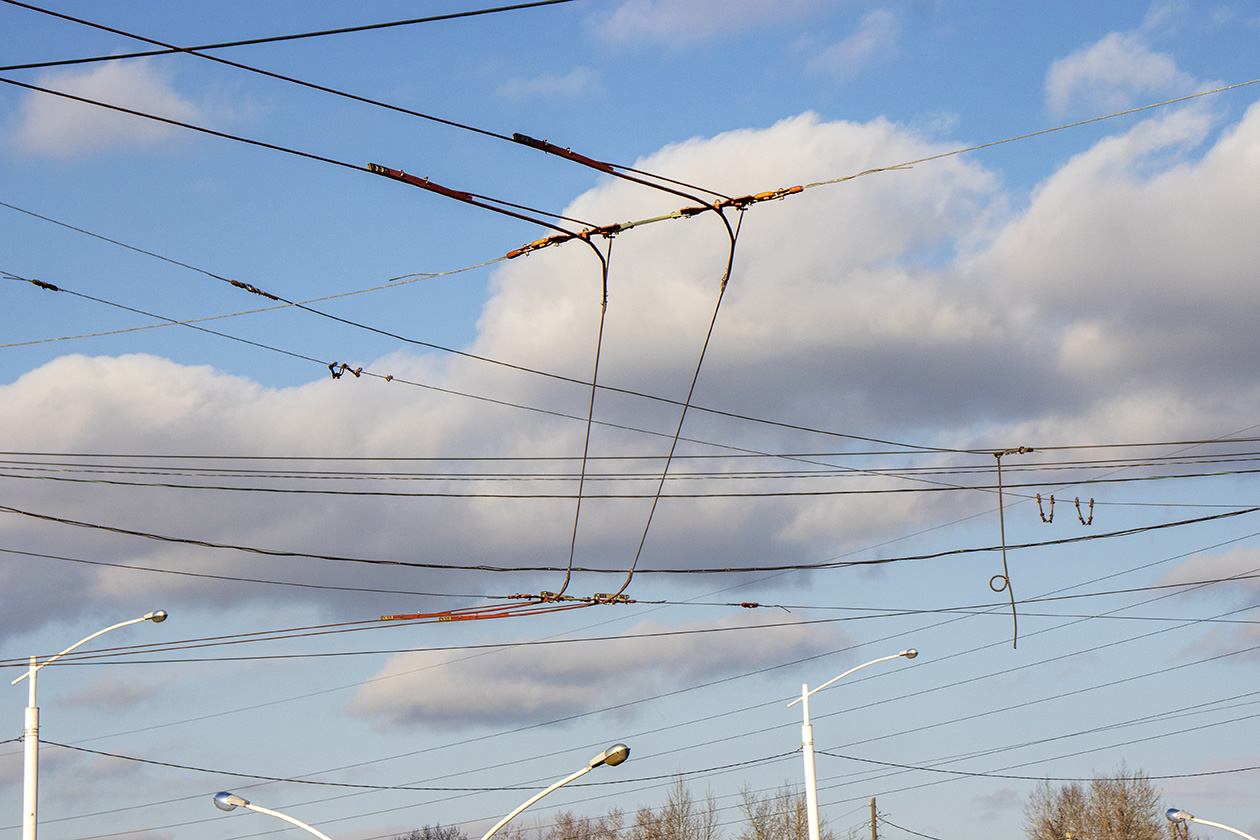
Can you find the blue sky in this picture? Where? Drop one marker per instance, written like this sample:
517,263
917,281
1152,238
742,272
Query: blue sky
1087,293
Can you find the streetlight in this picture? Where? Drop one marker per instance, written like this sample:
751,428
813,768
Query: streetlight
30,735
612,756
226,801
1178,816
807,738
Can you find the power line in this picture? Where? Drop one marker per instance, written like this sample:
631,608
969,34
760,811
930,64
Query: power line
265,40
836,564
542,145
945,771
500,363
365,787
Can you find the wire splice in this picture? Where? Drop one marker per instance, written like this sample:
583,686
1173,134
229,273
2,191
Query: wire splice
249,288
423,183
40,283
551,148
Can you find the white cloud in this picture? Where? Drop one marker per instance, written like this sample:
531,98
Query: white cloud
680,23
1114,308
529,684
59,127
577,83
1118,72
1131,266
876,38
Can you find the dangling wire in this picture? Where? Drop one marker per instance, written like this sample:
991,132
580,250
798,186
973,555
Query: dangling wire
733,234
605,260
1001,582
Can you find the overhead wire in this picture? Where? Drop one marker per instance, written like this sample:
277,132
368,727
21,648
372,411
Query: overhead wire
170,322
542,145
537,606
418,342
839,564
1187,97
1075,754
734,202
60,476
237,579
502,208
370,787
695,377
271,39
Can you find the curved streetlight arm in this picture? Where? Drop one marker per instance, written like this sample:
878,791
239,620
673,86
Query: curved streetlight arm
1177,815
611,757
156,616
534,799
226,801
908,654
251,806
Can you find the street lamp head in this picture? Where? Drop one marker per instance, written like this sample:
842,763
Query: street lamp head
225,801
157,617
612,756
1177,815
910,654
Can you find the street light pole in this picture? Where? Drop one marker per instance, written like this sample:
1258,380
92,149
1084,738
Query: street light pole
30,732
1178,816
226,801
612,756
807,738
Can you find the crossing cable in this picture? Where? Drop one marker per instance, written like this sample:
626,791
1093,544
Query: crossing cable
784,192
168,321
609,168
488,202
832,564
585,236
172,322
263,40
366,787
864,613
503,208
541,145
521,406
167,49
509,365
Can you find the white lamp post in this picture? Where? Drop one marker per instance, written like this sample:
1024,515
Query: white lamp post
807,738
30,735
226,801
1178,816
612,756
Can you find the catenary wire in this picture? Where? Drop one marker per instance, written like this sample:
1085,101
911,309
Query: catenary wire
418,342
269,39
609,168
684,571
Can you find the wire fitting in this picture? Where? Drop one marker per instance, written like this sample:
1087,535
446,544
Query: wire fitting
423,183
543,145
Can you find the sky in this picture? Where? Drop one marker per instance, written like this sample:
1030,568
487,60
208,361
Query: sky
970,371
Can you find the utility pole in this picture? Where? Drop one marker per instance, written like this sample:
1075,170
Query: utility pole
874,833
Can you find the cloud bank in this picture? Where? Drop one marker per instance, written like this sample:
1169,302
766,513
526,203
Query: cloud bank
906,305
